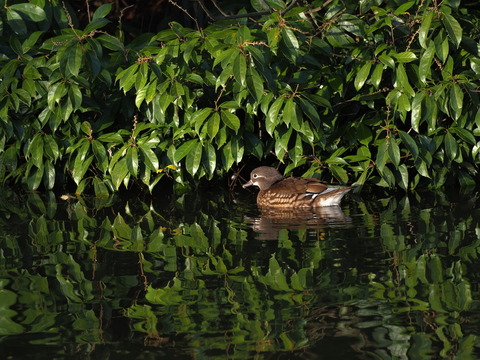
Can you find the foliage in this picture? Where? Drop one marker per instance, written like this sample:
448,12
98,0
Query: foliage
384,92
99,272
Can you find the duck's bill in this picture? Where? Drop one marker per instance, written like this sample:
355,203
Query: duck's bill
247,184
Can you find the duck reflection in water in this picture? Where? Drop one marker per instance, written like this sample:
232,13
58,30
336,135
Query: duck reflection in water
270,220
294,202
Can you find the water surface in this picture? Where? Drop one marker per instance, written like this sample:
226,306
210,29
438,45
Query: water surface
209,276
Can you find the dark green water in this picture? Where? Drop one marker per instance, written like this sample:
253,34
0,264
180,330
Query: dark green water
208,277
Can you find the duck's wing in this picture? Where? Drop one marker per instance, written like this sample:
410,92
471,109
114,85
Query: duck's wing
298,185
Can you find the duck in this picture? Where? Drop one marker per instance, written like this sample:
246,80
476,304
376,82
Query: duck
277,191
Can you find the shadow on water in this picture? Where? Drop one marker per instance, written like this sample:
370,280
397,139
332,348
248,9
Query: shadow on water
207,275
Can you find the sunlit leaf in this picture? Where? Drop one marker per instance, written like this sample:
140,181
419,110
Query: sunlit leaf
184,149
240,69
416,114
194,158
132,160
454,29
231,120
393,151
376,77
425,28
451,146
119,172
34,12
362,75
272,119
405,57
424,69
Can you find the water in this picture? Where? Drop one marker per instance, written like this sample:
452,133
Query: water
208,276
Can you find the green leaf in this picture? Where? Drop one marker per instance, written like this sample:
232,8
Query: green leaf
402,9
362,75
281,143
382,155
276,4
101,160
80,167
456,101
387,60
51,147
291,41
441,47
464,134
231,120
119,172
290,115
199,117
96,24
150,158
409,142
272,119
100,188
102,11
377,75
184,149
426,63
49,175
405,57
113,138
402,83
127,78
194,158
451,146
454,29
74,60
34,12
393,151
15,21
213,125
402,177
35,177
403,104
132,160
240,69
339,173
243,35
388,176
209,158
425,28
416,114
31,40
254,84
35,150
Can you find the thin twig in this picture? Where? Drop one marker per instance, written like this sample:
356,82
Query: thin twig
202,5
319,8
256,14
185,11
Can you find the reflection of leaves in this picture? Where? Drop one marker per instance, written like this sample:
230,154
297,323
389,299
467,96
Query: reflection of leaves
165,296
209,268
7,325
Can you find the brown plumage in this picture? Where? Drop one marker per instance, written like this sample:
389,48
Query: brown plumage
299,192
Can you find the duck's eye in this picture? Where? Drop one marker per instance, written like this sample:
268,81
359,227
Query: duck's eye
255,176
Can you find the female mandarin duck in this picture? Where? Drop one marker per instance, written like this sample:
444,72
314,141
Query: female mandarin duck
293,192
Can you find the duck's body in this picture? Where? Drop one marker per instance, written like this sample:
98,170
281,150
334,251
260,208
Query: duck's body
294,192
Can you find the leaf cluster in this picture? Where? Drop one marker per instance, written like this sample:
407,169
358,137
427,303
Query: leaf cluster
385,94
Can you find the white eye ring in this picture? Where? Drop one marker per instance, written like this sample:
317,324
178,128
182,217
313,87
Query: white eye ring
255,176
